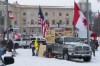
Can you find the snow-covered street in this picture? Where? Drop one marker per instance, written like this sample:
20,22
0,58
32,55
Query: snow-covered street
25,58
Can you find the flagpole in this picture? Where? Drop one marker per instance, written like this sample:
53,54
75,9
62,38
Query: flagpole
88,34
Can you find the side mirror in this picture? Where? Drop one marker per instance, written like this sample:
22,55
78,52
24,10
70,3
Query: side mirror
8,60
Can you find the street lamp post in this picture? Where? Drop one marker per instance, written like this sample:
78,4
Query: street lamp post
7,21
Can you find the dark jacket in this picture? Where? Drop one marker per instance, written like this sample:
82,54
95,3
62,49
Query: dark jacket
10,44
92,44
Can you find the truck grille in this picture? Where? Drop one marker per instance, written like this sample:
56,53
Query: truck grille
81,48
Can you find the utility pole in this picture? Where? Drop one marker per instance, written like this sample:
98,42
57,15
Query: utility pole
98,23
88,33
7,20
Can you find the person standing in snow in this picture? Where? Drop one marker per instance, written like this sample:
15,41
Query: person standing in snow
96,44
92,44
33,48
36,44
10,45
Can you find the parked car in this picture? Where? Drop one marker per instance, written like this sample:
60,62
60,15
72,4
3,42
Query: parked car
68,48
39,39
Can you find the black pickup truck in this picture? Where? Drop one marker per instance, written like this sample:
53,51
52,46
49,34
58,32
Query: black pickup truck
68,48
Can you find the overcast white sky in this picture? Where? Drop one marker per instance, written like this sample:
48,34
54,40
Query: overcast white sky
95,4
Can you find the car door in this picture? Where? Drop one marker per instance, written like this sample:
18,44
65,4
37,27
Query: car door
58,46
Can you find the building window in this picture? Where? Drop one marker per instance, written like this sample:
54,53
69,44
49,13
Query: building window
15,22
67,21
53,22
32,22
60,14
46,13
60,21
24,30
24,22
36,22
67,14
24,14
53,13
32,30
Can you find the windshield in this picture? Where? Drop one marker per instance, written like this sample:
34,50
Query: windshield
17,39
26,39
72,39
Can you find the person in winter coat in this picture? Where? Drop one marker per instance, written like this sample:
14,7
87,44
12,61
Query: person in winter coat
92,44
96,44
33,49
36,44
10,45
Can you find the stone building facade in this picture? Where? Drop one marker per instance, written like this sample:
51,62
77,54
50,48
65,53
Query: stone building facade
26,18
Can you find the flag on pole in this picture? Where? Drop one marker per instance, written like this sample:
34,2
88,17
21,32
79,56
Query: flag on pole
17,35
10,15
42,21
80,22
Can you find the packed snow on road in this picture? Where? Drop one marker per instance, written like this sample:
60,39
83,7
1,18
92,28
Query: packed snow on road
24,58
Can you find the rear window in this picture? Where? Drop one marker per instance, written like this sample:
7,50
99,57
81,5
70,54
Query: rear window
72,39
18,40
26,39
33,38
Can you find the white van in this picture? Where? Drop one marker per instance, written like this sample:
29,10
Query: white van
23,42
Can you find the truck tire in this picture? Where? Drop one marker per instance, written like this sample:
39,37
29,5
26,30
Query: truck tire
87,59
56,56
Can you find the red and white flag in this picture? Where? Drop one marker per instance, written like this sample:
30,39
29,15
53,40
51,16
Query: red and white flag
10,15
80,22
17,35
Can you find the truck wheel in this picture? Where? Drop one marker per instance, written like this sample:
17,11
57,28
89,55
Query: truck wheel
56,56
87,59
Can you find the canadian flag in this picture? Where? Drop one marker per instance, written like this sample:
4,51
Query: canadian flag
17,35
80,22
10,15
